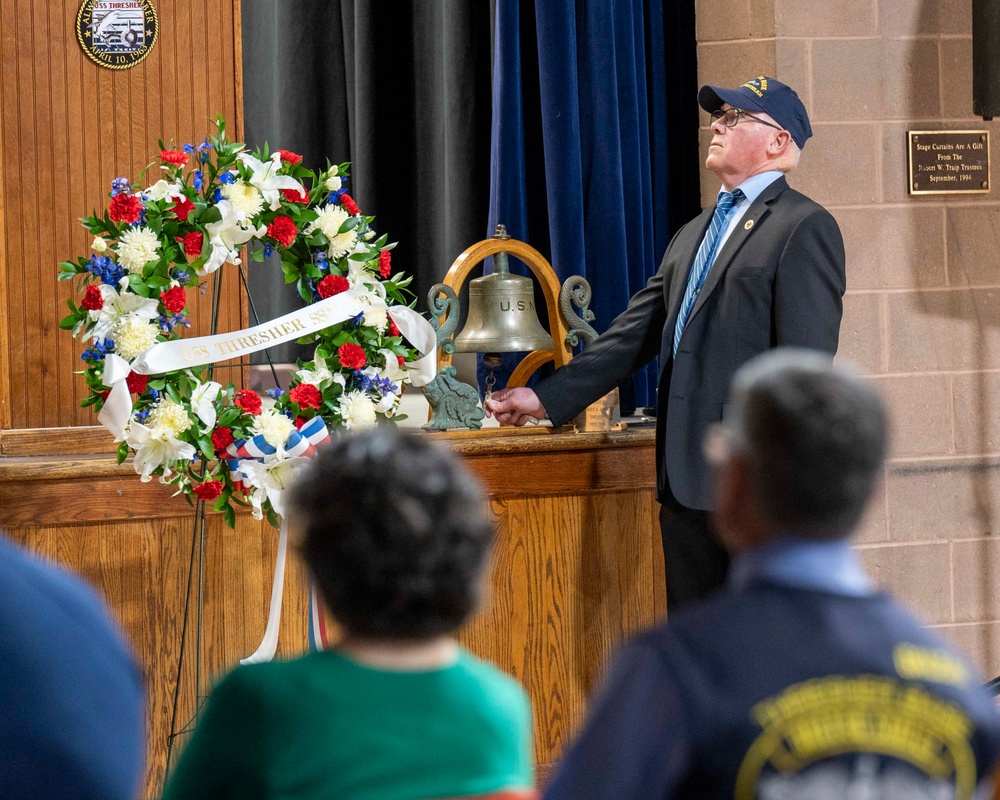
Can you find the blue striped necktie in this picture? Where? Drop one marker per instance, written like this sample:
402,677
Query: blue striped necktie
703,261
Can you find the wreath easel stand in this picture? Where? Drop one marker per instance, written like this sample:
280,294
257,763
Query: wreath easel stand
198,536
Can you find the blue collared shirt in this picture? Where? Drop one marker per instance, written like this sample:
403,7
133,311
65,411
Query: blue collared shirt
799,563
751,188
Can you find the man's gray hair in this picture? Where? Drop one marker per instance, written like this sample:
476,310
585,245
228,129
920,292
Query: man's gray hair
815,435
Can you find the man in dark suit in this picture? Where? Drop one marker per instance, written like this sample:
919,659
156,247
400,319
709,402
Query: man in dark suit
800,680
763,268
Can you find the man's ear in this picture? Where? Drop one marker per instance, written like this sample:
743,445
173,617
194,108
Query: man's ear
779,143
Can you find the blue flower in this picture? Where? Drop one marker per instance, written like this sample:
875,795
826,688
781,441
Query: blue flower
268,249
227,177
199,180
140,416
362,381
119,185
189,149
153,393
386,386
181,276
275,393
356,320
217,196
205,145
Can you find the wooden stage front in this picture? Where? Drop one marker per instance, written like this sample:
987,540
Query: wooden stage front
578,564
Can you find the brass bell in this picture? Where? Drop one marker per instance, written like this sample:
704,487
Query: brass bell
502,316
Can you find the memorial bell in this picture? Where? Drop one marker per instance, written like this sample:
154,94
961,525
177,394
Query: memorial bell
502,316
502,319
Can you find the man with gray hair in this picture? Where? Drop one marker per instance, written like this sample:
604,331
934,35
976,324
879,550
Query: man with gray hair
799,679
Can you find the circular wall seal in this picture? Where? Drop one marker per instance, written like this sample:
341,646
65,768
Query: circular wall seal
117,34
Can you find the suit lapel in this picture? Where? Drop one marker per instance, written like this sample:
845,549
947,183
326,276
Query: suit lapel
675,290
748,225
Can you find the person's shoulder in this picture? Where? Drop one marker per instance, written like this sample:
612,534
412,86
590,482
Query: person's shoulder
790,198
60,598
485,673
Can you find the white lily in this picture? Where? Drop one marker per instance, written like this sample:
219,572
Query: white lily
266,178
203,403
118,305
155,449
268,479
227,236
392,369
163,189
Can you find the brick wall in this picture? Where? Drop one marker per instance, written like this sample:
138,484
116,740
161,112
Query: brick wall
922,311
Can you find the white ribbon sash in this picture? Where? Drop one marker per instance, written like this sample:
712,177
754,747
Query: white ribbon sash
188,353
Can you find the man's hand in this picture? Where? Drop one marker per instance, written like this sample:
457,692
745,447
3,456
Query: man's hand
515,406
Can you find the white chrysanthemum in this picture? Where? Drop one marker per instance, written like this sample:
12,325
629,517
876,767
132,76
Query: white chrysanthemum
244,197
168,418
136,248
330,218
357,410
274,427
333,183
133,335
377,318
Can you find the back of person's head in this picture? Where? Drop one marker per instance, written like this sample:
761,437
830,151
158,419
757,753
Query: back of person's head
814,435
395,532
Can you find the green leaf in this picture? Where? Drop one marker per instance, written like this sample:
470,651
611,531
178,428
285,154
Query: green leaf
272,517
89,401
349,224
212,214
230,514
304,291
68,323
122,452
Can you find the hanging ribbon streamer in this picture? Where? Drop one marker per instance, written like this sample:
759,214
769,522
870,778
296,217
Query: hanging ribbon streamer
269,644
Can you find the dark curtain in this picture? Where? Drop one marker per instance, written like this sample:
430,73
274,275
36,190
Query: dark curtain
594,144
402,90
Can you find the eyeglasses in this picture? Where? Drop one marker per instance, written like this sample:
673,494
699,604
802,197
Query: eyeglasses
732,116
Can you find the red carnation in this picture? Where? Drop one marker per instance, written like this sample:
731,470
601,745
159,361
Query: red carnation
182,208
296,195
208,490
174,299
136,383
125,207
222,437
348,202
351,355
306,395
289,156
385,263
283,230
400,360
331,285
248,401
176,157
299,422
393,329
192,243
92,299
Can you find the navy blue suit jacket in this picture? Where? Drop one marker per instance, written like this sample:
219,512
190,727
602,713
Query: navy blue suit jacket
778,280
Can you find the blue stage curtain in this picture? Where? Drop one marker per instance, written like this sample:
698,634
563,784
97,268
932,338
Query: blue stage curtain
598,166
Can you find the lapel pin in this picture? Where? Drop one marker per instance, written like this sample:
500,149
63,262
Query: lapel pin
748,225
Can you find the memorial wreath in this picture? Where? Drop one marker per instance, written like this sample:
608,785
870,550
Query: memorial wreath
153,390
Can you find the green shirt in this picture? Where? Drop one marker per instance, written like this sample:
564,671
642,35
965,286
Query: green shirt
323,726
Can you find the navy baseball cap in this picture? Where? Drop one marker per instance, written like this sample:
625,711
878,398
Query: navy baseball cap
763,94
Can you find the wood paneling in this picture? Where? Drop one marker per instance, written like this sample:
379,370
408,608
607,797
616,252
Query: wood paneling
67,128
577,566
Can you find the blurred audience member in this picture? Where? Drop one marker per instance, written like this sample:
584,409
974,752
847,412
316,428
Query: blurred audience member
71,697
799,679
396,535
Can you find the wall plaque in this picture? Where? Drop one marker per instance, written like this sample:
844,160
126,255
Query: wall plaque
949,162
117,34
